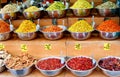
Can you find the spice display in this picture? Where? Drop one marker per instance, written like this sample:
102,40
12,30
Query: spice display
9,8
112,64
80,63
81,26
19,62
81,4
26,26
52,29
109,26
32,9
50,64
4,27
56,6
107,5
3,56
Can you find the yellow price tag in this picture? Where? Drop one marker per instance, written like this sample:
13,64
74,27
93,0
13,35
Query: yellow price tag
2,46
24,48
78,47
107,46
47,46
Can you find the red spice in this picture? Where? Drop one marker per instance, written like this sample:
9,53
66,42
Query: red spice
80,63
4,27
50,64
52,29
109,26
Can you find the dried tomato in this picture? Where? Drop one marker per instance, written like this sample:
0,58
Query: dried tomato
50,64
80,63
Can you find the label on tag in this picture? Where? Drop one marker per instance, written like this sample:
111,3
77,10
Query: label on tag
78,47
107,46
1,46
47,47
24,48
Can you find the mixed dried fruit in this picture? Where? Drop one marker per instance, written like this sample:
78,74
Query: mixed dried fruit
112,64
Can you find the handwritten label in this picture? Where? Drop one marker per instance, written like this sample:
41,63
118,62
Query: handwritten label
78,46
47,47
24,48
107,46
2,46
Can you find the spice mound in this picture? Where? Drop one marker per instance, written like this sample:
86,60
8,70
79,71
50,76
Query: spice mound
81,4
52,29
4,27
9,8
107,5
80,63
81,26
26,26
3,56
32,9
112,64
109,26
56,6
20,62
50,64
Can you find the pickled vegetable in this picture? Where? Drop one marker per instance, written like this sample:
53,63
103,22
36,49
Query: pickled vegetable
56,6
107,5
81,26
26,26
81,4
52,29
9,8
31,9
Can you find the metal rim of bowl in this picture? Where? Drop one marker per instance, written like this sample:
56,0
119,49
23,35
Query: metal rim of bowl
61,26
106,58
32,11
81,8
81,70
46,59
6,32
56,10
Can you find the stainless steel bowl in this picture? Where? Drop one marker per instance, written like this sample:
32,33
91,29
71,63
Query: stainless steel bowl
53,35
81,12
57,13
21,72
6,16
27,36
109,35
80,35
82,73
2,68
107,12
4,36
50,72
32,15
108,72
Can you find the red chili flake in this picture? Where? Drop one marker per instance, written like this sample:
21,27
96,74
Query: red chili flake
50,64
80,63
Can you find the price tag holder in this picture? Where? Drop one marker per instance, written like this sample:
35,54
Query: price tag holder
24,48
2,46
107,46
78,47
47,47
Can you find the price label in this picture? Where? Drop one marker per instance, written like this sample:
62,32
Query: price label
78,47
47,47
24,48
2,46
107,46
